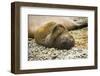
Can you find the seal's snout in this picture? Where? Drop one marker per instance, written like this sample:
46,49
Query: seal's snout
65,41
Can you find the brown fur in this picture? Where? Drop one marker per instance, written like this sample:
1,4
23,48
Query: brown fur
54,33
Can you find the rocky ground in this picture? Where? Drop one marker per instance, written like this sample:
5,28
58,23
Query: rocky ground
38,52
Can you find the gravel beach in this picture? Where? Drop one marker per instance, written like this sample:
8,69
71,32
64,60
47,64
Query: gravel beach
79,51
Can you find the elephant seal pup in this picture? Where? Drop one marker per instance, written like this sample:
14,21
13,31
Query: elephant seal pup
54,32
55,35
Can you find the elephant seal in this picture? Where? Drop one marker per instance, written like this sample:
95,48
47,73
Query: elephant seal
55,33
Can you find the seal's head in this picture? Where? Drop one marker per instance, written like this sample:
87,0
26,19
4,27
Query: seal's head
60,38
64,41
